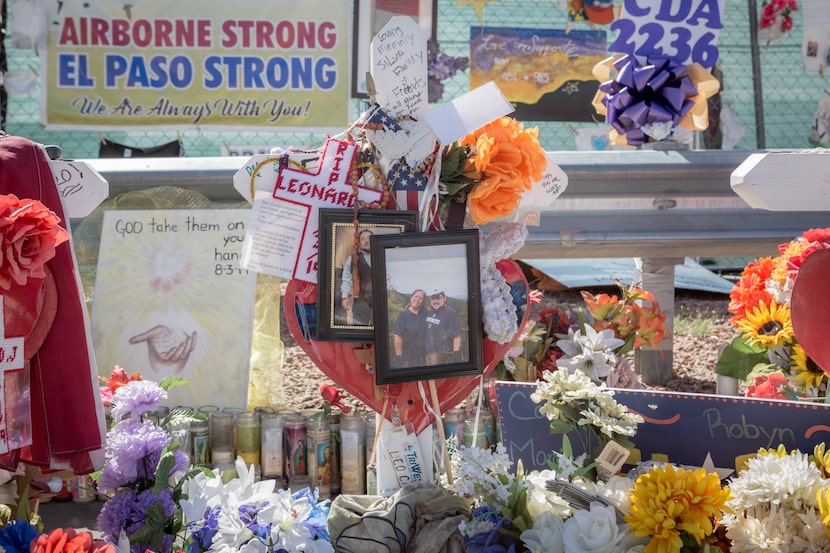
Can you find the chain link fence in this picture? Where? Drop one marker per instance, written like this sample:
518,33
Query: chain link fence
781,118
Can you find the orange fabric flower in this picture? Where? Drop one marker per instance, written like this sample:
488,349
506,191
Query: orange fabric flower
29,234
751,288
508,159
69,541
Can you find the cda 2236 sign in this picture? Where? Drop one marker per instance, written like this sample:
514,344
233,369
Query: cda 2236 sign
683,30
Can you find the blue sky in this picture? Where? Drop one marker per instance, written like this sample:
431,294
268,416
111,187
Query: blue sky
442,267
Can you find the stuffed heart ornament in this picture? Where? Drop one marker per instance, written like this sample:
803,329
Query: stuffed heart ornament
348,363
810,307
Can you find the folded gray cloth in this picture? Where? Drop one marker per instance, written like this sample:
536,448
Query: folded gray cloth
421,517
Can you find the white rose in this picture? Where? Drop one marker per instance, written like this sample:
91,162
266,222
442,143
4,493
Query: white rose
546,535
540,499
593,531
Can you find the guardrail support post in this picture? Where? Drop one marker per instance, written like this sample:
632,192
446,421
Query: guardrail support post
656,275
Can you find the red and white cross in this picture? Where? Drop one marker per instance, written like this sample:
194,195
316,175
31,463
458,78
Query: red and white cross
11,359
329,186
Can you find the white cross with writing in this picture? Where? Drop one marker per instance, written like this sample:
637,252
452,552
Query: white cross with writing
11,359
330,186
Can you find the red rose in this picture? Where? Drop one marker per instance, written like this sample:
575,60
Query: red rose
29,233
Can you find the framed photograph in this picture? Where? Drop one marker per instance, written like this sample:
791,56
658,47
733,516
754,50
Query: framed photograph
369,17
427,301
344,295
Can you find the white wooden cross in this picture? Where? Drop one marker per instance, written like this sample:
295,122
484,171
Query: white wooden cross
11,359
785,181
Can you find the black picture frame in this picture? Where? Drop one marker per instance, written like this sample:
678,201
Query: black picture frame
369,18
335,241
440,264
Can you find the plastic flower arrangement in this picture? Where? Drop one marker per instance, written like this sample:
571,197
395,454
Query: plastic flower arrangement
243,515
144,469
25,534
17,534
776,19
668,509
780,502
766,354
161,503
592,339
490,169
575,405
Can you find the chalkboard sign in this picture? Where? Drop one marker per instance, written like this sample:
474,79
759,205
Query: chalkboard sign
680,427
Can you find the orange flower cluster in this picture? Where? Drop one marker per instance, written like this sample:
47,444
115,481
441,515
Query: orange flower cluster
761,276
29,234
69,541
636,324
508,160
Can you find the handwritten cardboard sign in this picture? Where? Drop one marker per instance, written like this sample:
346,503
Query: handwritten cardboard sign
554,181
398,58
80,186
680,427
686,31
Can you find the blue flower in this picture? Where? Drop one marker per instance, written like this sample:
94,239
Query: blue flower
490,538
248,515
203,537
16,536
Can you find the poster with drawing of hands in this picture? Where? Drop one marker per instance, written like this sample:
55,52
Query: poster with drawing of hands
171,300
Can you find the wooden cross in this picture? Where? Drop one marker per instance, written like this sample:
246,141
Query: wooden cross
329,186
785,181
11,359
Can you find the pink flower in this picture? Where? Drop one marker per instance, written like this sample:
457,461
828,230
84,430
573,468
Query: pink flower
29,234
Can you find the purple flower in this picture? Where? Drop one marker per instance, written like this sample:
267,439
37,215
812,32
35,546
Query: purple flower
127,510
16,536
132,454
136,398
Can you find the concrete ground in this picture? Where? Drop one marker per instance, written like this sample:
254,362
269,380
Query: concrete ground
66,514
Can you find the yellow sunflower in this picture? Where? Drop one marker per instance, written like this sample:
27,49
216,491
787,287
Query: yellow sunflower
767,325
805,369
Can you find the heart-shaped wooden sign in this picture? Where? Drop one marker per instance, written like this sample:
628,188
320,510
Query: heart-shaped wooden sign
810,307
344,362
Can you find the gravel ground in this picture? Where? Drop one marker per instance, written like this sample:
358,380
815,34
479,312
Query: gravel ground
703,327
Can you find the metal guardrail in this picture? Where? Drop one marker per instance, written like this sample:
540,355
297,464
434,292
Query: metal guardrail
651,204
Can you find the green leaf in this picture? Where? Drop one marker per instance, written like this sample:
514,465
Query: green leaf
739,357
165,465
151,534
559,427
180,416
169,382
